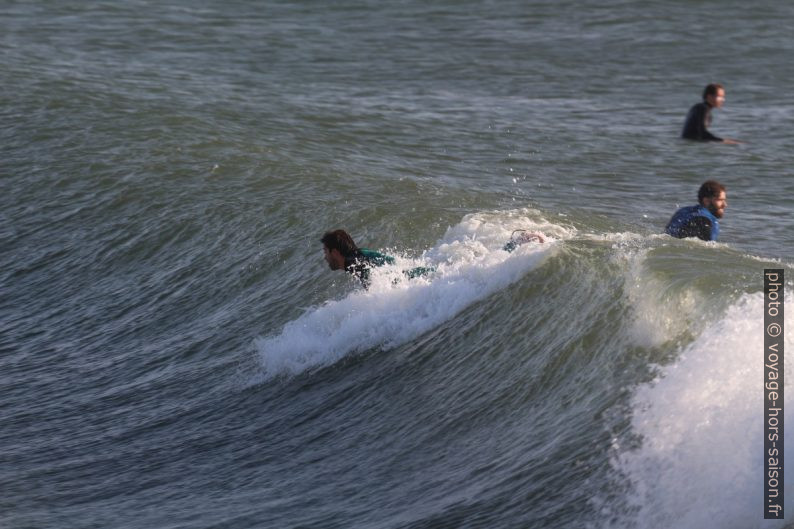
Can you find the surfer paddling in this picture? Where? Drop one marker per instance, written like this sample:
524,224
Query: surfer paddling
701,220
342,253
519,237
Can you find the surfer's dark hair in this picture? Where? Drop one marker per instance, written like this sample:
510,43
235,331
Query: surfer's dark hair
711,90
710,189
339,240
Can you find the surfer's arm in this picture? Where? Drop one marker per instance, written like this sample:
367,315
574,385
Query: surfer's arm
525,237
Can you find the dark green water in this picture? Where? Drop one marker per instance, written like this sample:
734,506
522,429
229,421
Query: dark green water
176,353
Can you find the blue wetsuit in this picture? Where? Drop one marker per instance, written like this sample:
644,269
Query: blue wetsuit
694,221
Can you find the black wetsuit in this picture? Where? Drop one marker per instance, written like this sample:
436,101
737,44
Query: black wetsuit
698,118
363,260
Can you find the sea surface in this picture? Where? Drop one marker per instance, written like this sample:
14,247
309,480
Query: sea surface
175,352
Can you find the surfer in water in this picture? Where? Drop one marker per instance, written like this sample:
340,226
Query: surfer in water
699,117
701,220
342,253
520,237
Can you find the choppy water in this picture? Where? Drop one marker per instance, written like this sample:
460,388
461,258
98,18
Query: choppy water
175,352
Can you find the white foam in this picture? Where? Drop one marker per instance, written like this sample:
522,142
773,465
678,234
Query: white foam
470,265
701,459
659,313
665,306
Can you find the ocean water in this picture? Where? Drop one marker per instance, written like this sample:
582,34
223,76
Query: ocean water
175,353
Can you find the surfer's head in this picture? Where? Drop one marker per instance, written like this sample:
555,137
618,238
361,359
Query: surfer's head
337,245
711,195
714,95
